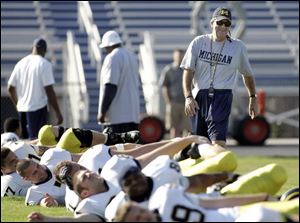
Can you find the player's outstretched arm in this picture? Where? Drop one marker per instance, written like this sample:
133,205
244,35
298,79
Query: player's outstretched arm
38,217
171,148
231,201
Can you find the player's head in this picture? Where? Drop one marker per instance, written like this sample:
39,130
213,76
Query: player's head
65,170
177,56
8,137
9,161
32,171
133,212
87,183
110,40
12,124
40,46
221,21
135,184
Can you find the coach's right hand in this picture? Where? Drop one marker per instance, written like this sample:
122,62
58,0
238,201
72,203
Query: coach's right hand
191,106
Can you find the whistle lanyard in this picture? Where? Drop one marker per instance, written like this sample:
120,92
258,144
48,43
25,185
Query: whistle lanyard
214,63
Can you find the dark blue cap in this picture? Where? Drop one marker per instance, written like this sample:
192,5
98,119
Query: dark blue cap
40,43
222,13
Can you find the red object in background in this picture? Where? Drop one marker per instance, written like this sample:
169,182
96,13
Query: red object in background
152,129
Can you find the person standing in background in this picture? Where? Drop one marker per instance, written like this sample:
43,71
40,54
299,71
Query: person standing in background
171,82
211,63
119,102
12,130
30,87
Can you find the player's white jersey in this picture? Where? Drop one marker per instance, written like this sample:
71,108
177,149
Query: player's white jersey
36,192
164,170
23,150
8,136
13,185
174,204
161,170
97,203
95,158
71,200
55,189
53,156
116,167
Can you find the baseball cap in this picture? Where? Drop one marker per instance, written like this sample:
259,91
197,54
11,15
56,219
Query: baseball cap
110,38
222,13
40,43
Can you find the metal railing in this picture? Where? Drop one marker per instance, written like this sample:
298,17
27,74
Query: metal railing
76,91
120,21
294,50
85,21
43,29
149,76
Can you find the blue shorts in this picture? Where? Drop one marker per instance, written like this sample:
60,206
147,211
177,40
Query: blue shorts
34,121
211,120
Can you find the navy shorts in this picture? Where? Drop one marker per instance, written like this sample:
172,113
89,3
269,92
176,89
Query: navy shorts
34,121
211,120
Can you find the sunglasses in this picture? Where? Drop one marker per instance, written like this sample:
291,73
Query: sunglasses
225,22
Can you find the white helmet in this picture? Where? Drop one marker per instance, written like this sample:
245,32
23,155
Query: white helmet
110,38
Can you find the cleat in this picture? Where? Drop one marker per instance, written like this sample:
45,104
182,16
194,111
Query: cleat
193,152
131,137
217,187
125,137
290,194
182,154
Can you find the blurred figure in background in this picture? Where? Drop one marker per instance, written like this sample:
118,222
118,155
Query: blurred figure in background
119,101
171,82
12,130
30,87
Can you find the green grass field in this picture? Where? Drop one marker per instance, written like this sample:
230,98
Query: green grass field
14,210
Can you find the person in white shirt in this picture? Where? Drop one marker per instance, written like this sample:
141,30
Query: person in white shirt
138,185
96,157
11,152
45,191
211,65
171,203
12,130
30,87
119,100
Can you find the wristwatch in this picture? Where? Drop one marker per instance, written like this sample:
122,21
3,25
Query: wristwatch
252,96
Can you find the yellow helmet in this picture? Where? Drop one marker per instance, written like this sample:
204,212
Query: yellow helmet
46,136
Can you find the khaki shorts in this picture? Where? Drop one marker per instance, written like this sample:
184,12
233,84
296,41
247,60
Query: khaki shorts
176,117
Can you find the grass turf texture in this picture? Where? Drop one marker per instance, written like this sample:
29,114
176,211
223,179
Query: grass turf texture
14,210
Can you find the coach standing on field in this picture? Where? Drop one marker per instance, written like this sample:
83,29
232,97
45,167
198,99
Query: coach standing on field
30,86
212,62
119,103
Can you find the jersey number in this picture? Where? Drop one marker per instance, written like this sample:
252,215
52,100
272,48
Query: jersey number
175,166
184,214
9,190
